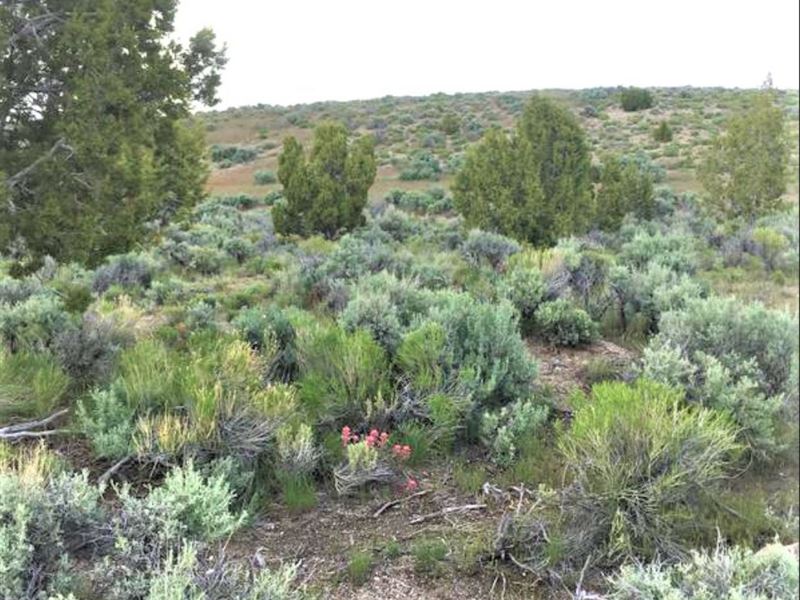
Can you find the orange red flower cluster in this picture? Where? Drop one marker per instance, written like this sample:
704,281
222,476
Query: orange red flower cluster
375,439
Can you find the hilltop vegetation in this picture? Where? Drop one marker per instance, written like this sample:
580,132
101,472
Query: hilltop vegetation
511,344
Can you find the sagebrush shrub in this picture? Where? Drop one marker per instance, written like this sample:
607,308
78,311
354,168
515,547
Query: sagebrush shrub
89,351
674,251
733,390
732,332
481,348
503,431
126,270
107,420
732,573
562,324
375,313
191,506
485,247
526,289
32,323
40,520
264,177
649,292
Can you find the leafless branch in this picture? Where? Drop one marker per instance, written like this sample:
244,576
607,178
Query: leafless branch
388,505
446,511
23,427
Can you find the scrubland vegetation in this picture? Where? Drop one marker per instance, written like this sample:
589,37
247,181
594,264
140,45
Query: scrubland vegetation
354,355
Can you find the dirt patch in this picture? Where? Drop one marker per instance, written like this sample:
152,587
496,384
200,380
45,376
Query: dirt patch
563,369
322,540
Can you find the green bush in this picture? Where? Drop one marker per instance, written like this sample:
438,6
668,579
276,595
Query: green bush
483,247
526,289
264,177
733,331
639,463
359,567
31,385
562,324
428,555
725,574
270,330
732,390
341,373
633,99
480,349
503,431
662,133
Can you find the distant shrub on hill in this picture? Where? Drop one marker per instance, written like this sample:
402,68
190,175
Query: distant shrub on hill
663,133
264,177
633,99
423,165
226,155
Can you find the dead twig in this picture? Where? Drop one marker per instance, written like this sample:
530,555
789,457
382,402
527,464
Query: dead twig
22,427
113,469
392,503
446,511
29,434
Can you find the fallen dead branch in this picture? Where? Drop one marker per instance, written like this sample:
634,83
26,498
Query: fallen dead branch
23,430
446,511
392,503
113,469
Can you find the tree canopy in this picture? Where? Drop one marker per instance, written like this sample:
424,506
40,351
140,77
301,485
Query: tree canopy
534,185
623,188
744,171
94,141
326,191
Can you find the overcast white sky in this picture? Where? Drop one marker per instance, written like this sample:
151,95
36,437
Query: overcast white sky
292,51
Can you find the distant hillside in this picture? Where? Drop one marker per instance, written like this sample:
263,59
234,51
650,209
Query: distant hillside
413,133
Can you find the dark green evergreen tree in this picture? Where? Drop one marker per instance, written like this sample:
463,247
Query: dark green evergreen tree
533,186
744,171
623,188
94,139
325,192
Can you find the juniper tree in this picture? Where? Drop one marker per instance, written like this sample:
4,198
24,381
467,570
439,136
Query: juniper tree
623,188
533,185
326,191
94,141
744,171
